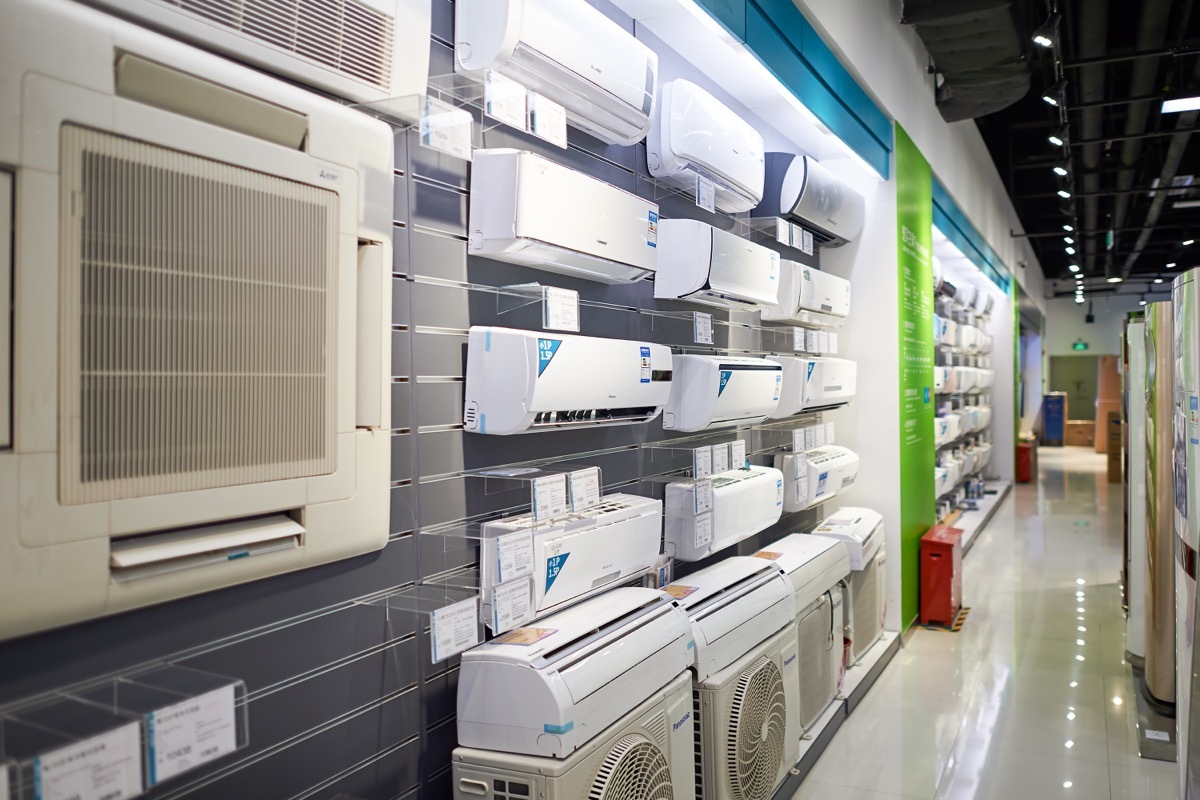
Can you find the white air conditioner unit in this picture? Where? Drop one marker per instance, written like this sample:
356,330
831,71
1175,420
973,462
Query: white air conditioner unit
743,615
694,134
984,303
526,209
810,297
745,501
812,564
801,189
707,265
207,403
860,530
549,690
567,51
648,753
941,379
819,632
964,296
816,475
521,381
721,391
580,554
815,384
367,51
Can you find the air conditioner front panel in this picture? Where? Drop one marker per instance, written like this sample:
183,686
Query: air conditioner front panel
811,195
811,384
860,530
529,210
721,391
521,380
703,264
866,602
813,564
568,51
695,134
745,501
362,50
822,293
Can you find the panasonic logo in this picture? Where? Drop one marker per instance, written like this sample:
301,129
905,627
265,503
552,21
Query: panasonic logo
787,661
685,718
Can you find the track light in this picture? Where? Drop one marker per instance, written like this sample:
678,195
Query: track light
1142,302
1068,240
1047,34
1079,299
1114,279
1064,194
1171,265
1056,140
1054,95
1060,171
1073,267
1158,280
1068,228
1188,242
1070,251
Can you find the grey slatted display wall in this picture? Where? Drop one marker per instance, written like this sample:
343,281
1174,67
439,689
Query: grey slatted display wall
343,699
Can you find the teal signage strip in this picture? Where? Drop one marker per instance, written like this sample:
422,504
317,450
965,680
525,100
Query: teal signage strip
787,44
950,220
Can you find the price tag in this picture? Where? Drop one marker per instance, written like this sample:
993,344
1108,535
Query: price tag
704,496
810,338
706,193
547,120
800,474
105,766
720,458
828,433
797,237
514,555
702,462
585,488
806,243
798,339
512,604
833,343
560,309
737,454
822,341
190,733
818,435
702,327
454,628
799,444
550,497
704,530
504,99
445,128
810,437
783,231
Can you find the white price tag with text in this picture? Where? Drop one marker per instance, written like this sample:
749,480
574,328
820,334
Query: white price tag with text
547,120
703,328
737,454
810,339
810,437
514,555
806,243
702,462
704,533
512,604
833,343
504,99
190,733
818,435
446,128
797,237
800,469
706,193
704,496
108,765
783,231
560,309
454,628
585,488
720,458
798,339
799,441
550,497
823,341
801,493
828,433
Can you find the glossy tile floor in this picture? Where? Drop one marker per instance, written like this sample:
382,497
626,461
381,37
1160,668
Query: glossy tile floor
1031,699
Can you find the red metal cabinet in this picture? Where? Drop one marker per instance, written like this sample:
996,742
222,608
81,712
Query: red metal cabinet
941,575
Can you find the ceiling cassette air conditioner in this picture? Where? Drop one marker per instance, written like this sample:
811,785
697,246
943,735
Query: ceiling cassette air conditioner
520,381
202,282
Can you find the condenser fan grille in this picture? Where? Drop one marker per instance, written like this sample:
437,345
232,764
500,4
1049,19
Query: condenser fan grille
197,322
634,769
867,619
818,681
756,732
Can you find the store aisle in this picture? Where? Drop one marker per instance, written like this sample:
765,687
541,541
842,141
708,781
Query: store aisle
1031,699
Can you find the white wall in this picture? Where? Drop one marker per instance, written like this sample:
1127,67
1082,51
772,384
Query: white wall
1065,324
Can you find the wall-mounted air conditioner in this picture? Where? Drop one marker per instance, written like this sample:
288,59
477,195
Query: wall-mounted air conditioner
860,531
964,296
528,210
809,297
984,303
816,475
549,690
941,379
721,391
800,189
814,384
567,51
521,381
651,748
745,501
746,677
580,554
367,51
695,134
207,403
819,631
703,264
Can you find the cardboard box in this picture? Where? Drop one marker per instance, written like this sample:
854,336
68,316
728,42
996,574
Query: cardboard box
1080,433
1114,435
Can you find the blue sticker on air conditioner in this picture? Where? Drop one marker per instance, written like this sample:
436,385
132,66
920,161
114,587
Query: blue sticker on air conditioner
811,366
554,565
546,350
559,729
726,374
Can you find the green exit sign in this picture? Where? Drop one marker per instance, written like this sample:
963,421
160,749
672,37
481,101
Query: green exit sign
1080,346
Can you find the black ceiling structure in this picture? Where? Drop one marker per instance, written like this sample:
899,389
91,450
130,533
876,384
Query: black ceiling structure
1101,170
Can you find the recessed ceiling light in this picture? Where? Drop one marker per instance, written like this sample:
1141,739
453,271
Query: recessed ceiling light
1171,265
1142,302
1079,657
1188,242
1073,267
1067,784
1180,104
1114,279
1158,280
1117,701
1073,684
1064,194
1060,170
